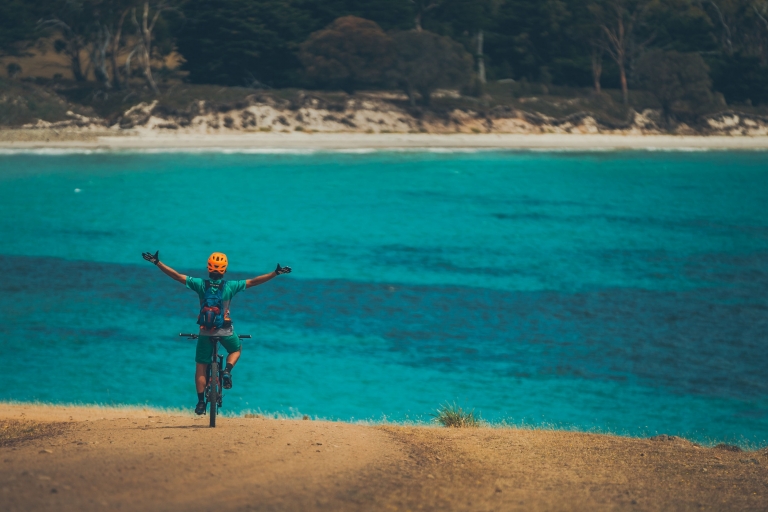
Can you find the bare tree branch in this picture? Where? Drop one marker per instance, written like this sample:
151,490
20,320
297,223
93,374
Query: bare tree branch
761,13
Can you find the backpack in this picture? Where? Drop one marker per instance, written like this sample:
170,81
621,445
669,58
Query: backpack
212,307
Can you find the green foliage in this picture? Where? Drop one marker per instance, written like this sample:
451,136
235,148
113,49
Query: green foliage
348,54
262,42
680,81
741,78
23,102
13,69
242,42
388,14
453,416
426,61
17,25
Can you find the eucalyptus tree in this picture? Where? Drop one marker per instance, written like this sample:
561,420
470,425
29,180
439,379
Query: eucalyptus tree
618,20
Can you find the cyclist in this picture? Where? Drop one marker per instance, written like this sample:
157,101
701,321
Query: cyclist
217,267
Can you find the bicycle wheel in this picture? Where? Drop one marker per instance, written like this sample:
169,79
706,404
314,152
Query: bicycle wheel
213,394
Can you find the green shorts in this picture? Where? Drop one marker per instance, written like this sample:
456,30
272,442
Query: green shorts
203,354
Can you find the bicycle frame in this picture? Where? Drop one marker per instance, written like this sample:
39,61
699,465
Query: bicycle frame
213,392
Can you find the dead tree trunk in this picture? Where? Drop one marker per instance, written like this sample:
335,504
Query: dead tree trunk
98,53
75,64
480,57
144,45
597,67
728,39
116,50
618,33
423,7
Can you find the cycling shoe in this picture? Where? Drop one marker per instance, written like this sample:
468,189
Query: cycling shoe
200,409
226,380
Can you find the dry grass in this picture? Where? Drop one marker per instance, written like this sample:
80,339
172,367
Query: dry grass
453,416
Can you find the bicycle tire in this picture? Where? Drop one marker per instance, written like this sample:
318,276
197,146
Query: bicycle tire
213,395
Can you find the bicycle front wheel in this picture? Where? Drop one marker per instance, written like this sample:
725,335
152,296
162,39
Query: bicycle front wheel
213,393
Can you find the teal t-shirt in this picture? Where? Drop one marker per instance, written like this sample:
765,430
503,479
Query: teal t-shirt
231,288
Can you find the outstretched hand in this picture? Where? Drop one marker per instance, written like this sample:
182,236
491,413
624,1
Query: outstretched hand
155,258
282,270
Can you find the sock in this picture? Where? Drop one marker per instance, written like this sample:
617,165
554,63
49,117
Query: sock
229,367
201,397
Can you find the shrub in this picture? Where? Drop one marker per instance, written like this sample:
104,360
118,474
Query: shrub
741,79
453,416
13,69
348,54
680,81
427,61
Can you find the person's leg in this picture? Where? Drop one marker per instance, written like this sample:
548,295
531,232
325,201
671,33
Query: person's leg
233,357
234,347
200,376
202,359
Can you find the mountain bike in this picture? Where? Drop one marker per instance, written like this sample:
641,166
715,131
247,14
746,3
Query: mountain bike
213,386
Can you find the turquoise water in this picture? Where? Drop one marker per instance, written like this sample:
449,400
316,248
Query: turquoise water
619,291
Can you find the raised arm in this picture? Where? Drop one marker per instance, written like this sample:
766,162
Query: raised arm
256,281
155,258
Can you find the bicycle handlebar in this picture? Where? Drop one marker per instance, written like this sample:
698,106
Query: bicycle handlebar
195,336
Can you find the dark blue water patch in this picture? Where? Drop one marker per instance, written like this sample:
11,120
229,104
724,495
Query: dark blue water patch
698,227
708,342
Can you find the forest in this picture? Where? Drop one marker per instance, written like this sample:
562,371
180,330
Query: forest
690,52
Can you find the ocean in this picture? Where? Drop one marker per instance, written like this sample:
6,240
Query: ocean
622,292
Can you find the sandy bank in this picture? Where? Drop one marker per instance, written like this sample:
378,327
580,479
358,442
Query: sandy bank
297,141
134,459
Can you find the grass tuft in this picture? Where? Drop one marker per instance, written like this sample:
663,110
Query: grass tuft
453,416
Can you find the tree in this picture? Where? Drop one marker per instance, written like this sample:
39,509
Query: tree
741,79
426,61
467,20
618,20
242,42
72,19
91,26
680,81
17,26
422,7
350,53
150,14
388,14
527,36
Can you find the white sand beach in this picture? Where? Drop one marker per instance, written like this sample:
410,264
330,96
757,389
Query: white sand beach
298,141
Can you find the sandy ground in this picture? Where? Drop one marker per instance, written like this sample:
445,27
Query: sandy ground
38,139
132,459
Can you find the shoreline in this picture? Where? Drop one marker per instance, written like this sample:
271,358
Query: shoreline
311,142
92,458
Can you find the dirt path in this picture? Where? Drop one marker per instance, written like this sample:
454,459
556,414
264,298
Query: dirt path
132,459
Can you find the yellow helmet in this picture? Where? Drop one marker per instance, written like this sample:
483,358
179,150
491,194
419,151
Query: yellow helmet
217,262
